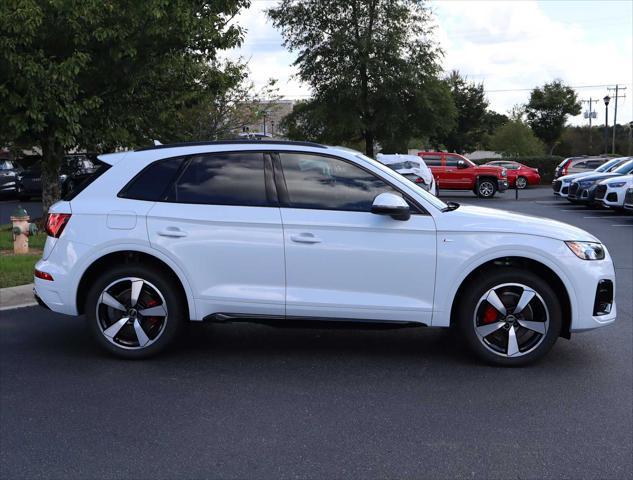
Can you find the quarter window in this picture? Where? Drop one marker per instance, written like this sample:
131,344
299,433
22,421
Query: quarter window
153,181
326,183
232,178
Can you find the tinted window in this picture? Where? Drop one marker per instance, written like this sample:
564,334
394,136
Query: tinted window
327,183
451,161
153,180
432,160
579,165
235,178
594,163
80,185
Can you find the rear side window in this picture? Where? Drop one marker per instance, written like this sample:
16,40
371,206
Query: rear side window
432,160
232,178
80,184
153,181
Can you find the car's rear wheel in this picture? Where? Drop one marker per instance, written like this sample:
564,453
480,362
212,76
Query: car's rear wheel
486,188
509,317
521,183
134,311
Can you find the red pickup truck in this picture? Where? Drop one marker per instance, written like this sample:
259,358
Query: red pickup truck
455,172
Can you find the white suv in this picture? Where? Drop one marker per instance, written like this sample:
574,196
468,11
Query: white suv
296,232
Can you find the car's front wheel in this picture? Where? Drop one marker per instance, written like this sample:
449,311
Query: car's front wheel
486,188
509,317
135,311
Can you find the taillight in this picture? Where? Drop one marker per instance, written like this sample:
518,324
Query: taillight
43,275
419,180
55,223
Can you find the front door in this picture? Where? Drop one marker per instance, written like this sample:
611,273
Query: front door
342,261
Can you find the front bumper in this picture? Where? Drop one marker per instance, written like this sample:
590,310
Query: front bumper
502,185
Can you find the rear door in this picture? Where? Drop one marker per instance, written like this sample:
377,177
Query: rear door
342,261
220,222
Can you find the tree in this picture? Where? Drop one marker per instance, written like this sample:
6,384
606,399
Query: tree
548,109
372,67
77,73
515,139
470,102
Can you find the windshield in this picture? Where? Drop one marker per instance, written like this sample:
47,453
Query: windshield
624,169
429,197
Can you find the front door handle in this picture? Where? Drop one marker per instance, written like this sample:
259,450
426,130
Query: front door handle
173,232
305,237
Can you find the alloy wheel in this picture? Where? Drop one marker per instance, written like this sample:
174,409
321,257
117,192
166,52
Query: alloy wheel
486,189
131,313
521,183
511,320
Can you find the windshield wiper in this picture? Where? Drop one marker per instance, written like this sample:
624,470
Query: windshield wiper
450,206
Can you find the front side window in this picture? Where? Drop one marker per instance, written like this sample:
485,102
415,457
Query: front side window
326,183
231,178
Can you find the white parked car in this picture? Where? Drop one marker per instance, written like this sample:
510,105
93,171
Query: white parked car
561,184
412,167
296,232
628,200
611,192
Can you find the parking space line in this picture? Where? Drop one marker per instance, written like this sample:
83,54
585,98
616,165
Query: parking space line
602,216
622,225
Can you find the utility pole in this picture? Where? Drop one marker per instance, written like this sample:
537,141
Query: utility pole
590,115
615,112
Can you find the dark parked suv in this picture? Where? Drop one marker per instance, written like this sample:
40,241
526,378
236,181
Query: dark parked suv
75,168
9,172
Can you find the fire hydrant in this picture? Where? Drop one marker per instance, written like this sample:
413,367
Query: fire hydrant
22,230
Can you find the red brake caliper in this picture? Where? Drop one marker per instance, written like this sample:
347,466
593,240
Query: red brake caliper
490,315
152,320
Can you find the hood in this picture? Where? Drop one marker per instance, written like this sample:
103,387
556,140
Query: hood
574,176
483,219
620,178
595,177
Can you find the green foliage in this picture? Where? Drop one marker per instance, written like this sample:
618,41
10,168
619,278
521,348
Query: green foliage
97,74
514,139
372,68
548,109
586,141
546,164
471,104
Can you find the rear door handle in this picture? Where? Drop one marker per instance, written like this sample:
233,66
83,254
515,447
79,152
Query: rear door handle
173,232
305,237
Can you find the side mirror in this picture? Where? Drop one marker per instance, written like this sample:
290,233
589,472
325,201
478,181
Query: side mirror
461,164
392,205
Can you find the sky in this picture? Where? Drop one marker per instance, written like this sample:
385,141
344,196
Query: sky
509,45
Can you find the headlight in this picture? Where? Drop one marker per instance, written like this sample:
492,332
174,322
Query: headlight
566,181
504,172
587,250
586,183
617,184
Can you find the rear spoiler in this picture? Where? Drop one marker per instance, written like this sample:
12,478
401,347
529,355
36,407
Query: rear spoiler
112,158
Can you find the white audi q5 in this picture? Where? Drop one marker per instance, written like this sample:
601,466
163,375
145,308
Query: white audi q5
296,232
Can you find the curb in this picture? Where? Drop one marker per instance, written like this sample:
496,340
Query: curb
17,297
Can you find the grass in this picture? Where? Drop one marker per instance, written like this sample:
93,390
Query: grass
18,269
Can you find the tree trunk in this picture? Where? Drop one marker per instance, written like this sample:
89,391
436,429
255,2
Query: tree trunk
52,154
369,143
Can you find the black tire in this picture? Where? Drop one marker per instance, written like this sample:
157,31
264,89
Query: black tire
154,278
486,188
467,309
521,183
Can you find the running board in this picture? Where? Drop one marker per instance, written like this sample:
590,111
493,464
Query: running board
309,322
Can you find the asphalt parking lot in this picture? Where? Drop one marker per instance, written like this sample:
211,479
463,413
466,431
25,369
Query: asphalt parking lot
247,401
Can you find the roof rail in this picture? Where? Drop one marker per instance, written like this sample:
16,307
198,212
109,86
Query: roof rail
231,142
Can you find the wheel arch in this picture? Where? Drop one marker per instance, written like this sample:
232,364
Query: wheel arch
129,256
539,268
